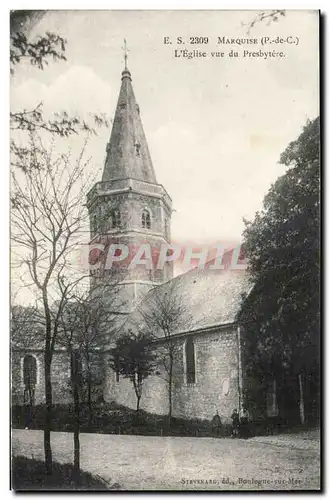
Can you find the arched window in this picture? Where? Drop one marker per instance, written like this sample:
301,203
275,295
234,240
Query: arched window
146,219
190,361
29,377
115,218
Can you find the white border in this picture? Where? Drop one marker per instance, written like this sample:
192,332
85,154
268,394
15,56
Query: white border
4,184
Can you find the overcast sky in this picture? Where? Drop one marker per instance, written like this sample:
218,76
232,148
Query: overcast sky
215,127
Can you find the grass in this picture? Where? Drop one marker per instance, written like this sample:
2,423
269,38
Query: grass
29,474
111,418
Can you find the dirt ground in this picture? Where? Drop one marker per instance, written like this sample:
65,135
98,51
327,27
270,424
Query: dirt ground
180,463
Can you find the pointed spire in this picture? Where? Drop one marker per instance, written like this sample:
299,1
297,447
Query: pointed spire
127,151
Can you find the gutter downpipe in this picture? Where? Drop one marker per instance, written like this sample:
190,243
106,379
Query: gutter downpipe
240,374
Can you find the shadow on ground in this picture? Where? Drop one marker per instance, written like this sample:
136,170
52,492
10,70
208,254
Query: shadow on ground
29,474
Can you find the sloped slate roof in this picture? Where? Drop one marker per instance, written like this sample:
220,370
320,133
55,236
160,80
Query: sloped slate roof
127,152
208,296
212,296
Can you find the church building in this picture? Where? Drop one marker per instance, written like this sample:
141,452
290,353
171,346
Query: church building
129,207
134,210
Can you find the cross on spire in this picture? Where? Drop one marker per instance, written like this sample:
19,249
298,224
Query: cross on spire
126,50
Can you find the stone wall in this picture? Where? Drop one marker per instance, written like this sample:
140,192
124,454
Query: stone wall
60,377
154,397
215,387
131,233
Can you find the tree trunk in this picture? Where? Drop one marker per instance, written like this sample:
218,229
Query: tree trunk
31,402
48,412
274,402
48,386
170,403
301,399
170,375
89,393
75,390
138,393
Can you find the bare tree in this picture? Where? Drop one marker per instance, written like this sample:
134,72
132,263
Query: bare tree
85,325
69,322
47,215
88,323
164,313
47,200
76,382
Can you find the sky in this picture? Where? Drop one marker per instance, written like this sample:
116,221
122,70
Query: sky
215,126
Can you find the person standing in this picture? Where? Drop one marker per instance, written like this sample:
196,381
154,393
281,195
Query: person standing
244,422
216,423
235,426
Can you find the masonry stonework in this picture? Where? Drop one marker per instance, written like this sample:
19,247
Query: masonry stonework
216,387
60,377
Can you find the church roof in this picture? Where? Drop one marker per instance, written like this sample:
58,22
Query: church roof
211,297
127,151
208,297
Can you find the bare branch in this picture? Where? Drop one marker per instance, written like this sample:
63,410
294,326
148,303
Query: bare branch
268,16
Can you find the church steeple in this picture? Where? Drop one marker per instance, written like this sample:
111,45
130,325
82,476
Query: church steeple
128,207
127,151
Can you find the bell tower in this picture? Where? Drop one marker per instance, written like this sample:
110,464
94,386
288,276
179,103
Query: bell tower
128,207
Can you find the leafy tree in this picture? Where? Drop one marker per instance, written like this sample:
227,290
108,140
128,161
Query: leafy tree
49,46
37,52
133,358
280,315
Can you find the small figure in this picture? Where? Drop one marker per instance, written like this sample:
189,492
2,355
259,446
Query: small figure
216,422
244,422
235,426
